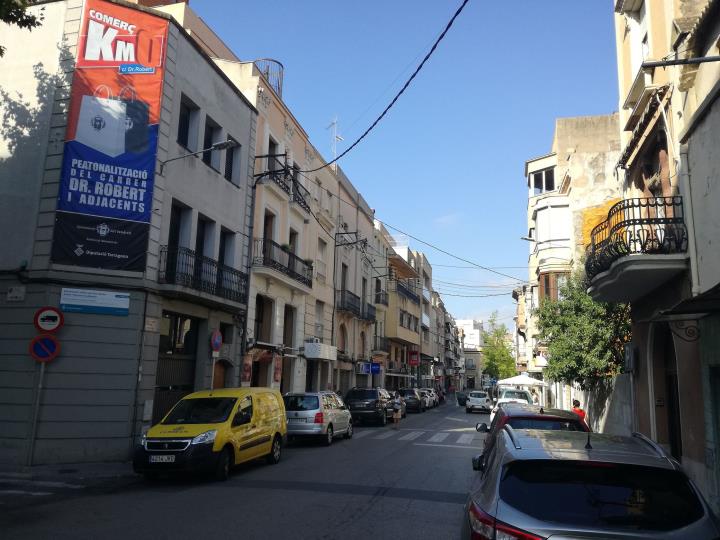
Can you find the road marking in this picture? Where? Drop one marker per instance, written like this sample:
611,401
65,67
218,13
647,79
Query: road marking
455,419
40,483
467,438
385,435
447,446
411,436
438,437
361,434
21,492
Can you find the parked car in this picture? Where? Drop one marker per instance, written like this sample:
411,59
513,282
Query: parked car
510,395
213,430
434,400
461,398
317,414
562,484
478,401
413,400
369,404
522,416
427,400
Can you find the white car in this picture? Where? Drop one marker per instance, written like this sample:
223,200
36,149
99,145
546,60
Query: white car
478,401
511,395
434,399
427,398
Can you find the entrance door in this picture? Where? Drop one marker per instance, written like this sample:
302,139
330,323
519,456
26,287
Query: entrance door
673,398
175,377
219,372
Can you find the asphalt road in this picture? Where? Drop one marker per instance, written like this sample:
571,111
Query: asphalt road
383,483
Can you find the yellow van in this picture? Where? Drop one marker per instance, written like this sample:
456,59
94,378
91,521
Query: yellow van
212,430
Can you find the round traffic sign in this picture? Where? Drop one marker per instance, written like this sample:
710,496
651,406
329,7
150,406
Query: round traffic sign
216,340
48,319
44,348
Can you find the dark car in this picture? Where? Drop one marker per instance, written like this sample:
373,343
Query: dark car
541,484
369,405
521,416
461,398
413,401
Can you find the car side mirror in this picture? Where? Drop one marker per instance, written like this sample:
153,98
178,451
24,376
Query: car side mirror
482,428
477,463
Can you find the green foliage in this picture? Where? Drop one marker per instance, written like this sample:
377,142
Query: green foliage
14,12
498,359
585,338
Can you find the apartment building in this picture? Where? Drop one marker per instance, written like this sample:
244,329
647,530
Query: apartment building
471,331
128,196
380,249
654,249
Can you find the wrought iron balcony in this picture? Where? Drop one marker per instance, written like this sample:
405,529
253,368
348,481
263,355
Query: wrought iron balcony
381,297
348,302
407,292
272,255
368,312
272,70
381,343
300,196
182,266
653,225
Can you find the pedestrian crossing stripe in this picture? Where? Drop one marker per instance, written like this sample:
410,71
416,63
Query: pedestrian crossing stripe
361,434
466,438
385,435
420,437
411,436
439,437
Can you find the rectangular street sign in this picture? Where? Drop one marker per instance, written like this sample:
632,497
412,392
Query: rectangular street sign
93,301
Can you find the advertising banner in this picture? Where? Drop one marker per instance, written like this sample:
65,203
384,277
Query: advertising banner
106,185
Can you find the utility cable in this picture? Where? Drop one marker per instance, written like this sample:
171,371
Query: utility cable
400,93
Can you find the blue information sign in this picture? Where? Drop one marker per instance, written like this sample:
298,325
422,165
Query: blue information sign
375,368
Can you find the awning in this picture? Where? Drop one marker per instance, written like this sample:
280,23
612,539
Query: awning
702,304
401,267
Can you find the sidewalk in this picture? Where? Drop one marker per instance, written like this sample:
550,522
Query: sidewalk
69,472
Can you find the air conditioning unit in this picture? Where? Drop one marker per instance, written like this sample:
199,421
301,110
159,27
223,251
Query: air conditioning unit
312,340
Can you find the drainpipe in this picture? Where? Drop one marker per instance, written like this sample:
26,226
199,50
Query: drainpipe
688,207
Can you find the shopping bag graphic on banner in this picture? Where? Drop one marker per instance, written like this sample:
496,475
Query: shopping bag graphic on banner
101,123
136,121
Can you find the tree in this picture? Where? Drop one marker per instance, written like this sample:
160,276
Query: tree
15,12
499,362
585,338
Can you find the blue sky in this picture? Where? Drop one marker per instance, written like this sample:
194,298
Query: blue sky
446,164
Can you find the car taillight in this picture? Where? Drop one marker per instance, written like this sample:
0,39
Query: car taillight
319,418
485,527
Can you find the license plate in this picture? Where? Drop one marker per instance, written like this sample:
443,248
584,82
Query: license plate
162,459
297,420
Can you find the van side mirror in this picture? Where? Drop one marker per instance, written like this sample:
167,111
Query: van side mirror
477,463
482,428
241,418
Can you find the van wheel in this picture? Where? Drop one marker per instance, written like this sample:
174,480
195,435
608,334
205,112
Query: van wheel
329,435
273,457
224,464
349,432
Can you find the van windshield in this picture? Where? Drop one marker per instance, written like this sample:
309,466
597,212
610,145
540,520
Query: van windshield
478,394
201,411
301,403
515,394
601,495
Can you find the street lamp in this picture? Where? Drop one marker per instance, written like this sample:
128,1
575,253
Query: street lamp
222,145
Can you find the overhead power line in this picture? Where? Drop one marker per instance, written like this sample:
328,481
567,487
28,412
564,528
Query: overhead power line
400,93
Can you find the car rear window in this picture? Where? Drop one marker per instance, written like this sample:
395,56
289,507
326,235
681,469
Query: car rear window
301,403
478,394
361,393
554,424
601,495
200,411
409,393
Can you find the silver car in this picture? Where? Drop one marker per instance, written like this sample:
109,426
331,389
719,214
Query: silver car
540,484
317,414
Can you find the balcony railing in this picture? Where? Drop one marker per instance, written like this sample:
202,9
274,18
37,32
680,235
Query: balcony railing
426,294
182,266
272,70
381,297
347,301
300,196
407,292
425,320
368,313
271,254
381,344
653,225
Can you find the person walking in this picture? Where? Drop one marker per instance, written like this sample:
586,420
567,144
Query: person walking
577,410
397,410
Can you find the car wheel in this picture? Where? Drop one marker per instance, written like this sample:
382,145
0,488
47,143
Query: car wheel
329,435
349,432
273,458
467,410
224,464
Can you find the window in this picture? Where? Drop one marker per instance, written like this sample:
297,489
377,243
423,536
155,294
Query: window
232,162
272,161
549,285
201,411
542,181
212,135
293,241
301,403
188,124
